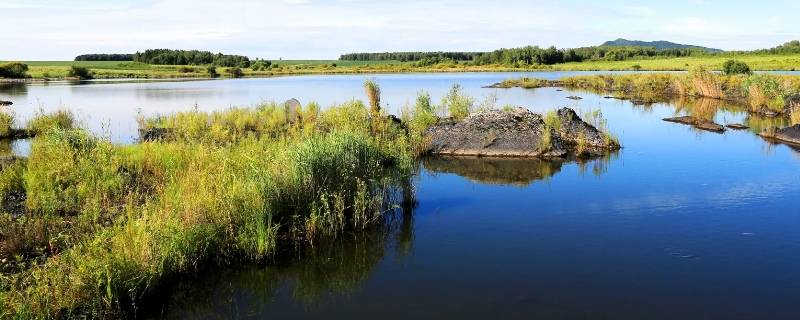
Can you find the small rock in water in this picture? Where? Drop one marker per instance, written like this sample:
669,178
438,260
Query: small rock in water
737,126
574,98
697,123
5,103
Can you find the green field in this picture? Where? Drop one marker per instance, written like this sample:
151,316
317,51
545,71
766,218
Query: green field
116,69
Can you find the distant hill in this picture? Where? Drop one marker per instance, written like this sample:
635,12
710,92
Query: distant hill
659,45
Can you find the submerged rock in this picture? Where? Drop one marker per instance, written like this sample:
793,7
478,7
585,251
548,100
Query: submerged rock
787,135
518,133
737,126
697,123
5,103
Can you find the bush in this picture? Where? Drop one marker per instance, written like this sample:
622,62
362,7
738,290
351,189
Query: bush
732,67
185,69
235,72
261,65
212,71
82,73
14,70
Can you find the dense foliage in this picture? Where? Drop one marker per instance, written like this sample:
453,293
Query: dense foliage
409,56
187,57
732,67
82,73
14,70
105,57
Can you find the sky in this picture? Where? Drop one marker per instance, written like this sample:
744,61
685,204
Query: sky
324,29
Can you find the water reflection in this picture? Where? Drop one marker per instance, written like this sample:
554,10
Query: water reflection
509,171
335,267
13,89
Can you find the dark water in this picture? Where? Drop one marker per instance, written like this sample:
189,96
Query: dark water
680,224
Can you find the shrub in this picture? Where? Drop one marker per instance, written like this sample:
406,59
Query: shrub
235,72
636,67
185,69
458,104
82,73
261,65
14,70
212,71
732,67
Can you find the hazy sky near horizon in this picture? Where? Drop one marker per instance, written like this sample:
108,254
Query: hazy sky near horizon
324,29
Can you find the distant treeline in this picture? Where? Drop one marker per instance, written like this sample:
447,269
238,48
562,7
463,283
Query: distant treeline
786,48
105,57
534,55
525,55
409,56
190,57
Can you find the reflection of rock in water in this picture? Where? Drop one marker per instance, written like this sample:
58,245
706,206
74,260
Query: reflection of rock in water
494,170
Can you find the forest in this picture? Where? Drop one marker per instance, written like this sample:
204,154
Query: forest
105,57
190,57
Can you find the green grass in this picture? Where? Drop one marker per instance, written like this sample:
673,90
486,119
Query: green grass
756,62
104,224
763,93
115,69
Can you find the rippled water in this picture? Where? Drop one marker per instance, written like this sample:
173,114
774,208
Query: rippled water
680,224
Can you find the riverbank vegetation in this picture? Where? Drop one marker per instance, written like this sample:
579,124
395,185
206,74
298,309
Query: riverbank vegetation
89,228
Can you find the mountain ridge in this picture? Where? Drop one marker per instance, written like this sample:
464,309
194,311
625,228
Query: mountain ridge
659,45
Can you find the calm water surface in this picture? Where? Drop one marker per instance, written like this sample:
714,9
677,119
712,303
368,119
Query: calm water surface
680,224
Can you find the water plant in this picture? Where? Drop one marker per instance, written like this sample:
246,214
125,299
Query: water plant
457,104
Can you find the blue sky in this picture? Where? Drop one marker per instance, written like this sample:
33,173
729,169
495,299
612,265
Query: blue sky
318,29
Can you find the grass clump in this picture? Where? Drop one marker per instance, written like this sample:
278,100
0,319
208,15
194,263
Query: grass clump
764,91
58,120
373,91
458,104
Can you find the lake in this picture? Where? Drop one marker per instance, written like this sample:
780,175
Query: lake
679,224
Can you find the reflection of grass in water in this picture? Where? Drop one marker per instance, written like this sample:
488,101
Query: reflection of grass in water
759,124
599,165
337,266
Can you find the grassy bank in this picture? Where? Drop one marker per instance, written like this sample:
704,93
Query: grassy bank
91,228
102,225
113,69
762,93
